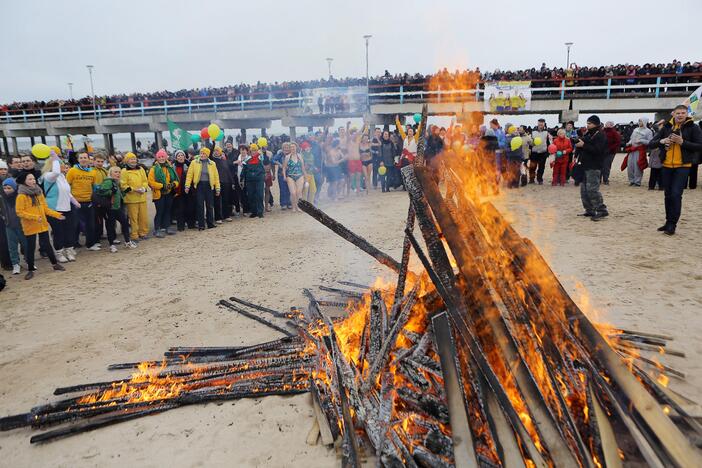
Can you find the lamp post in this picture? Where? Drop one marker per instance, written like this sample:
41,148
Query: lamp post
329,62
367,38
568,45
92,89
70,90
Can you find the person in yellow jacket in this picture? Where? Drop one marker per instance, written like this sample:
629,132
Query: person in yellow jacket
163,181
83,178
32,211
204,178
134,183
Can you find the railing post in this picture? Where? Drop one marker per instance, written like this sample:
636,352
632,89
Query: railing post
658,86
121,112
9,119
165,108
438,89
42,114
190,106
99,111
214,100
299,98
609,87
60,113
562,90
402,94
241,98
270,100
80,113
24,115
142,108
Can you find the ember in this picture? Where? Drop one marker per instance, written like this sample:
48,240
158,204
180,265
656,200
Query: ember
481,359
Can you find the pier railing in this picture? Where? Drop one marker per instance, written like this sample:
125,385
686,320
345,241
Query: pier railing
567,88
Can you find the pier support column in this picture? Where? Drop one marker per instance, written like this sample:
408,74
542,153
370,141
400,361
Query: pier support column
31,140
293,133
107,140
4,144
43,139
310,129
15,148
132,137
243,136
159,139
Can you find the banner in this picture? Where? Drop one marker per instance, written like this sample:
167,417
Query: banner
334,100
180,138
694,108
507,96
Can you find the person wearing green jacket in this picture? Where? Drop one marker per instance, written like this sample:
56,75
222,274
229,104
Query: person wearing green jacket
254,175
109,191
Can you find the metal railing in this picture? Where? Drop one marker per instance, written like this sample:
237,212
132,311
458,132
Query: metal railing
386,94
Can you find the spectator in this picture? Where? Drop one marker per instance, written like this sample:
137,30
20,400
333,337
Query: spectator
58,195
223,203
254,180
614,141
82,179
204,178
181,201
134,184
640,138
560,165
282,184
539,153
593,147
163,181
680,143
32,211
111,189
12,225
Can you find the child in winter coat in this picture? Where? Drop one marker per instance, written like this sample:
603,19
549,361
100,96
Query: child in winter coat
560,164
32,210
13,228
110,190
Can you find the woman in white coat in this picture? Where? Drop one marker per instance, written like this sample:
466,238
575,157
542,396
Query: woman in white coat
638,141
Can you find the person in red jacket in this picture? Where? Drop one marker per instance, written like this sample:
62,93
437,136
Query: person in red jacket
560,165
614,144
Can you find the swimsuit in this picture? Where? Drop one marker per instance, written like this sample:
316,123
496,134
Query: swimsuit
366,153
294,169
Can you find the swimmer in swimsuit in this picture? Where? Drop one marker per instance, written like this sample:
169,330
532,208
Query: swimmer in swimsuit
355,166
294,173
364,148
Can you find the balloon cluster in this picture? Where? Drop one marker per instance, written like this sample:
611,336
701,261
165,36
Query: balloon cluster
41,151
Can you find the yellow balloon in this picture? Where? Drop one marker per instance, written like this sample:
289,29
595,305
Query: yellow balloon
41,151
512,129
262,142
516,143
382,170
537,141
213,130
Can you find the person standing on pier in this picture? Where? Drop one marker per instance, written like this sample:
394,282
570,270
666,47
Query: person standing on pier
680,143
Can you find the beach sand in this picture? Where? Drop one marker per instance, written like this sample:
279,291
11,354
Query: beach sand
64,328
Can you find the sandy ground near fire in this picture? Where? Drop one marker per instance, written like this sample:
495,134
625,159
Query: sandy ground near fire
64,328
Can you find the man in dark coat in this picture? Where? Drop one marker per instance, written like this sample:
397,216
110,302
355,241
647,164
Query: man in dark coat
223,203
680,143
592,150
254,176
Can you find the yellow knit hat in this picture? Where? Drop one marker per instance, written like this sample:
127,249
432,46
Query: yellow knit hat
205,150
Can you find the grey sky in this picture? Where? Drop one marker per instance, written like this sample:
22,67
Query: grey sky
155,45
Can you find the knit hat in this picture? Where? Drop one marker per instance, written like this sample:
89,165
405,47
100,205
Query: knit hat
22,177
205,150
593,119
179,152
11,182
162,152
253,147
218,149
3,164
129,156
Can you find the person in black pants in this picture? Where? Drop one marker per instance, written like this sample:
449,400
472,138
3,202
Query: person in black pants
204,178
223,203
254,177
680,144
232,156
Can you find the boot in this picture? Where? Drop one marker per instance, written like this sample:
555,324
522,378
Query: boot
59,267
61,256
70,254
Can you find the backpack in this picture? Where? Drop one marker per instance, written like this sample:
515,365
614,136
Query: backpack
102,198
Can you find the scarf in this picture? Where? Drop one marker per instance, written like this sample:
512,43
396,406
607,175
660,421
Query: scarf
160,175
31,192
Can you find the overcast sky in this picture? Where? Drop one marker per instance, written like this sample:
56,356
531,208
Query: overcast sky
150,45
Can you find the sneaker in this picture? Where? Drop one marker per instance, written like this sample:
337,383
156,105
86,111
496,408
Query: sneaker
61,256
29,275
229,220
16,269
59,267
131,244
171,231
161,234
587,213
669,231
95,247
70,254
113,248
599,215
116,242
219,221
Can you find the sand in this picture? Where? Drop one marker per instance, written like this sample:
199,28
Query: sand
65,328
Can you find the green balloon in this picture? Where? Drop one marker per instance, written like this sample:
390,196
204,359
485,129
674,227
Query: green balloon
195,138
220,137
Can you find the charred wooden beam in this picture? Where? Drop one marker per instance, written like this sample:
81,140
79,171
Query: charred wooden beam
354,285
261,308
345,233
404,263
343,292
375,326
254,317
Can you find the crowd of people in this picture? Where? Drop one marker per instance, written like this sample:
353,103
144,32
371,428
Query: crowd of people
74,200
622,74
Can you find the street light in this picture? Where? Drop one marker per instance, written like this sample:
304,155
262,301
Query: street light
568,44
92,88
329,62
367,38
70,90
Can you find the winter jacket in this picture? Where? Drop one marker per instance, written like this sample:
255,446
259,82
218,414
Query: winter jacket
592,154
563,145
182,171
156,186
7,210
689,151
225,174
130,181
33,217
194,171
57,190
614,140
387,153
514,155
543,135
640,136
110,188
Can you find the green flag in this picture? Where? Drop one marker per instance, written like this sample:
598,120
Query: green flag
180,138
